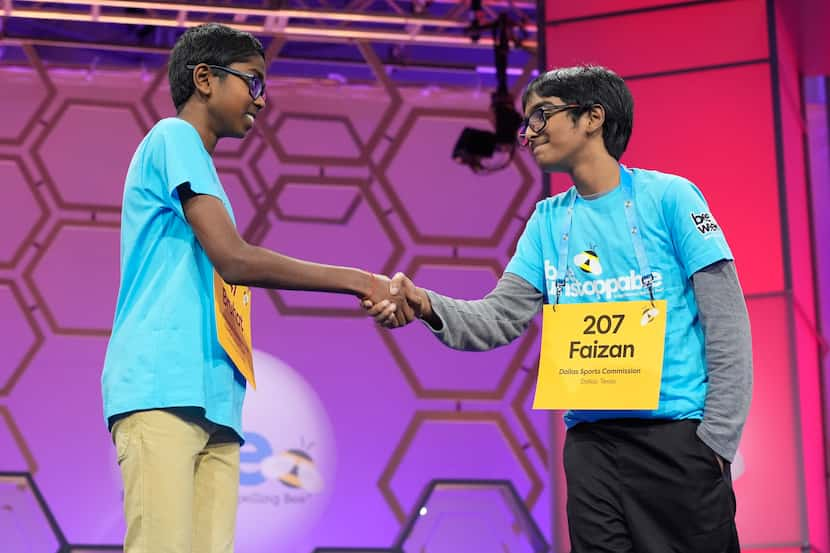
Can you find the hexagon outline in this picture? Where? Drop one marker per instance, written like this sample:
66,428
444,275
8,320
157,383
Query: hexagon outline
147,97
29,278
395,100
360,159
34,61
254,163
41,221
17,436
517,406
420,417
36,344
411,374
41,502
406,530
52,124
395,255
255,200
283,181
244,143
409,223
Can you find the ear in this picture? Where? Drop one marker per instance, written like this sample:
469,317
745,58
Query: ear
595,118
202,79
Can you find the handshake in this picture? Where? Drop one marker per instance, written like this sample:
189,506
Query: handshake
396,302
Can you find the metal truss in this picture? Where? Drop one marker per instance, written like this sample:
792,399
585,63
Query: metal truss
441,23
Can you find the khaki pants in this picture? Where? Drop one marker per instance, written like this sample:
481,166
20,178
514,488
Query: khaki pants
181,482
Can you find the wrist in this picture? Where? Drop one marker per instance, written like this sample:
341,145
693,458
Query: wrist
426,312
366,283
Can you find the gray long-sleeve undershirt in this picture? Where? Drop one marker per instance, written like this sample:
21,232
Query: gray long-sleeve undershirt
505,313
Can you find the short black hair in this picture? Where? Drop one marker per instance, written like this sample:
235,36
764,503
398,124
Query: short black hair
210,43
588,85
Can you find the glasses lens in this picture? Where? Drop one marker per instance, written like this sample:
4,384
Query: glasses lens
256,87
536,121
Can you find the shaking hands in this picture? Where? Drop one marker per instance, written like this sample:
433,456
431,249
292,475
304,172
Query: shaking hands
396,302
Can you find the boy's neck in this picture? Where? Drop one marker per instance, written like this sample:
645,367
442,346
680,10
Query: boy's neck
596,176
198,119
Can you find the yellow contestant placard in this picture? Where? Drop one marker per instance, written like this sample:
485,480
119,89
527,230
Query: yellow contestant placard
232,305
601,356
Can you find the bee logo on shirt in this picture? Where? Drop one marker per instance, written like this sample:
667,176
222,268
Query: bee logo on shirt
588,262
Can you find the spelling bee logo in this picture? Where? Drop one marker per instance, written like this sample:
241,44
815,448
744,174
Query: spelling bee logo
588,262
287,464
294,468
621,286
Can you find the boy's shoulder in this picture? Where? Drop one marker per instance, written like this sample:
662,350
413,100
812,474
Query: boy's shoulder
657,180
173,134
171,126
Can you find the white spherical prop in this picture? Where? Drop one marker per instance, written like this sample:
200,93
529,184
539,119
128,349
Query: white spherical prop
287,462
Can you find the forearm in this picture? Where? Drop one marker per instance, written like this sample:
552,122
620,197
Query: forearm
726,329
480,325
260,267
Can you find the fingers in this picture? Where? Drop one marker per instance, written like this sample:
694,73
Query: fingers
396,306
385,313
397,283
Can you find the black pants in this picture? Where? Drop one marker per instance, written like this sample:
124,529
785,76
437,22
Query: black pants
645,486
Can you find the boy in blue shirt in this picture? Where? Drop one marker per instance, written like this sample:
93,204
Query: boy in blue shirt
639,479
179,356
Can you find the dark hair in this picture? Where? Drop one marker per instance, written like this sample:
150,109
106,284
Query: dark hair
210,43
588,85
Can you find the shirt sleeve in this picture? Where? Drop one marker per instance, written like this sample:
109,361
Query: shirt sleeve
528,262
480,325
181,159
697,237
726,331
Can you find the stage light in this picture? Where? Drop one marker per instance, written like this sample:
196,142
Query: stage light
486,151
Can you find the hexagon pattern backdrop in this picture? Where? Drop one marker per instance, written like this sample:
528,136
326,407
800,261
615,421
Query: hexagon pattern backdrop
338,173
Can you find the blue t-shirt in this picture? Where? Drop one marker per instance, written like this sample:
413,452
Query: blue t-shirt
163,351
680,236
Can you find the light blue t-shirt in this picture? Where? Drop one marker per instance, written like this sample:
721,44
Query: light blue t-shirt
163,351
680,236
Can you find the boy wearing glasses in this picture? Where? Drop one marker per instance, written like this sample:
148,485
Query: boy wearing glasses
180,352
645,341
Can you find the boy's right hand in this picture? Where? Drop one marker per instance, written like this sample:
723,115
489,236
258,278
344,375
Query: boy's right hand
387,313
392,307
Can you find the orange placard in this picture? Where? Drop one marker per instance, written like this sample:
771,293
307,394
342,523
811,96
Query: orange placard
232,305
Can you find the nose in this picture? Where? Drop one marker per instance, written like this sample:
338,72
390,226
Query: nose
526,136
260,102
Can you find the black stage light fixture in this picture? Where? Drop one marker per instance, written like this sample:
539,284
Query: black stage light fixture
482,150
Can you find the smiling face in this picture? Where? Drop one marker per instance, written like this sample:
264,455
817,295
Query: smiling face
561,141
231,108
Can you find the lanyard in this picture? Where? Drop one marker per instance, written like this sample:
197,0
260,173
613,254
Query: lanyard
633,226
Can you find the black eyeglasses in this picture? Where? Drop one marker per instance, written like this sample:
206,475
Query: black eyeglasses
256,86
538,120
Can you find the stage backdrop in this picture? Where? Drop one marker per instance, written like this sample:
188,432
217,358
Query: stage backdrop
334,172
718,100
